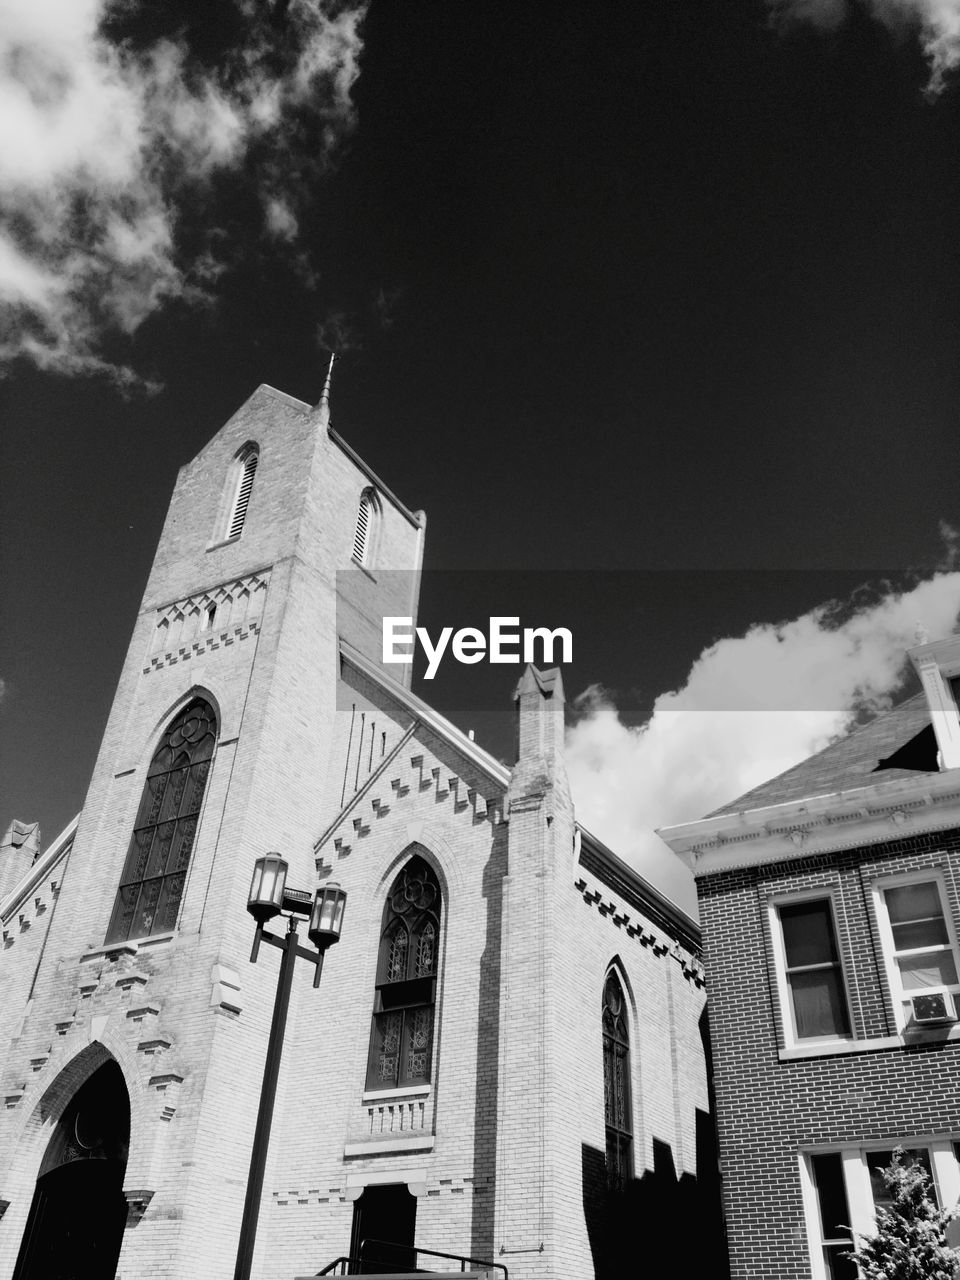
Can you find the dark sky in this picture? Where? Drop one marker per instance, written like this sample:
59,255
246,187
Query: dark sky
667,292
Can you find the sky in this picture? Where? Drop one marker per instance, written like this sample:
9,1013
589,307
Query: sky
653,308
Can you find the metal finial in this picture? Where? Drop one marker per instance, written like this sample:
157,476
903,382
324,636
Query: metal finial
324,405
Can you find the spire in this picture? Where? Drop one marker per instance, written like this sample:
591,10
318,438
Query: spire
323,408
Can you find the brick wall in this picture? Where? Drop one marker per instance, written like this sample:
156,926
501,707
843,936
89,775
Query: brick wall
769,1109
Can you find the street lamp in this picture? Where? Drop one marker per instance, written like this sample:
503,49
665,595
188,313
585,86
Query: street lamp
269,897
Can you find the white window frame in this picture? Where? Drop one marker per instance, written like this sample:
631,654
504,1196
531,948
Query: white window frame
856,1176
926,875
790,1038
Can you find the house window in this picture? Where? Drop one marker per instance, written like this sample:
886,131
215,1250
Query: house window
812,973
247,460
920,950
833,1230
844,1188
401,1040
155,870
877,1161
616,1084
365,532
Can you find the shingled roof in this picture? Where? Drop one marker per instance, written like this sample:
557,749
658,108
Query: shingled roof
897,744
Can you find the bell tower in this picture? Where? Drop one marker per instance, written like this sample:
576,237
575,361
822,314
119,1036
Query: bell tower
279,542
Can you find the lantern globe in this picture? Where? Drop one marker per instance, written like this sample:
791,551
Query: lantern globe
326,918
266,888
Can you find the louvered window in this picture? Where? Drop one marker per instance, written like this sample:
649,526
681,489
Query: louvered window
616,1084
155,871
401,1039
248,461
363,536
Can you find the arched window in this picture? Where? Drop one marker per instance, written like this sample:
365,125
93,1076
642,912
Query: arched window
364,536
247,460
401,1041
616,1084
156,867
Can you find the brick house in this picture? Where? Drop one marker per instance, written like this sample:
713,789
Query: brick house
830,909
508,1044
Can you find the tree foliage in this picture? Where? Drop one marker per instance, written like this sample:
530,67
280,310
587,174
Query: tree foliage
910,1243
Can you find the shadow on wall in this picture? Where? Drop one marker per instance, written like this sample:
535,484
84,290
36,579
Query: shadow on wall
488,1052
657,1218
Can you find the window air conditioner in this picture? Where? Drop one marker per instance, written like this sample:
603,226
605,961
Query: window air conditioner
936,1007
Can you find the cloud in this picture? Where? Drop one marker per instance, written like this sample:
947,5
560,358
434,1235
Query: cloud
280,220
751,707
938,23
825,15
108,131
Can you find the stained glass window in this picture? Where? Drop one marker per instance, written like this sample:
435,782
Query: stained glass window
401,1040
616,1084
155,870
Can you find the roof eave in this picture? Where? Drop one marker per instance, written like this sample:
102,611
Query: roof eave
818,824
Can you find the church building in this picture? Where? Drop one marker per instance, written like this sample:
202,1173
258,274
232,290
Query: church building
504,1070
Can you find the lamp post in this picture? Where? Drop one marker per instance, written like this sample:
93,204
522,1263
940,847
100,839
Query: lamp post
269,897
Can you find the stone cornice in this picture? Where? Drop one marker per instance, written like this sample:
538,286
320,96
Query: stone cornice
612,871
855,819
417,518
685,950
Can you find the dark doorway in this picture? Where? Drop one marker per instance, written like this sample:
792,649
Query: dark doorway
75,1227
385,1218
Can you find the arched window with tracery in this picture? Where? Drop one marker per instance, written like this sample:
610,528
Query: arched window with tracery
246,463
401,1040
616,1083
155,870
364,535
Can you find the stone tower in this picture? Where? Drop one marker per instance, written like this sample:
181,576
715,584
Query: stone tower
278,540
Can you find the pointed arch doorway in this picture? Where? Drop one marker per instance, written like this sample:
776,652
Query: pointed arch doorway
76,1220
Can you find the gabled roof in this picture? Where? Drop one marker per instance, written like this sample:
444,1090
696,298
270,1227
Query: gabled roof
594,854
51,856
417,518
901,736
444,728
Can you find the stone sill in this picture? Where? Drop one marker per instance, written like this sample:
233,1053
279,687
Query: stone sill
389,1146
905,1040
363,568
224,542
413,1091
117,949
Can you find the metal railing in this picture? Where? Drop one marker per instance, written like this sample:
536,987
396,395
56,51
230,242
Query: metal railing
344,1262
